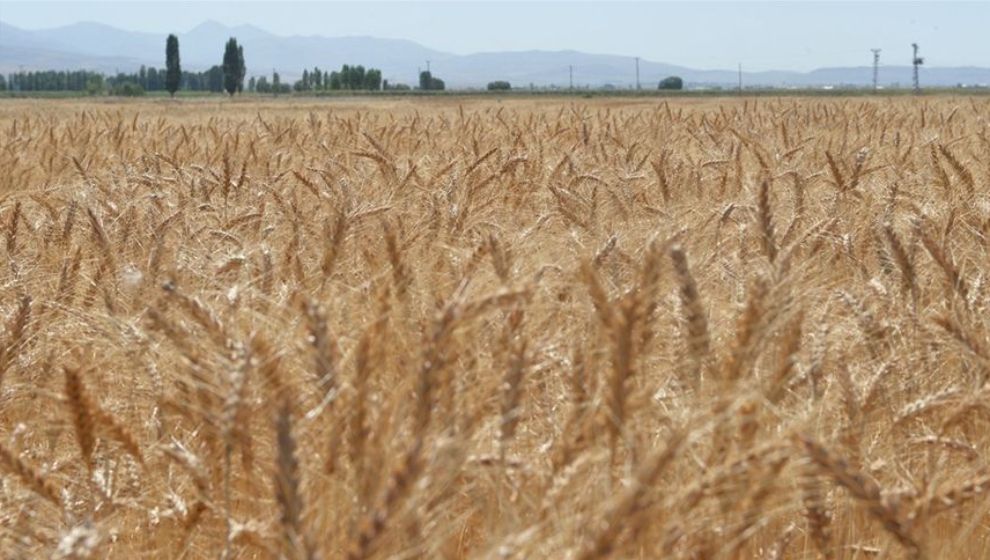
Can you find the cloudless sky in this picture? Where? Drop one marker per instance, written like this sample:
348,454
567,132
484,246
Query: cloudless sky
791,35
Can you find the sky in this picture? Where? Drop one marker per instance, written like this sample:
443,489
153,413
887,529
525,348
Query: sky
789,35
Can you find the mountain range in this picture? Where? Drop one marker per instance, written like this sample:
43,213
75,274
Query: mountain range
94,46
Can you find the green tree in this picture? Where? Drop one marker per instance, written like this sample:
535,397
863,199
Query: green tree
233,67
173,71
154,82
241,68
94,84
276,82
671,82
345,77
428,82
215,79
499,85
373,79
262,86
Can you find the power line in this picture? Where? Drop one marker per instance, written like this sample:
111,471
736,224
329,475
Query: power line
917,61
876,68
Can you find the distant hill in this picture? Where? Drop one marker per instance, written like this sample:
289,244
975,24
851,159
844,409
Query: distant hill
107,49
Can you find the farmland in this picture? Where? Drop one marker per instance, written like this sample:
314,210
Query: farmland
475,328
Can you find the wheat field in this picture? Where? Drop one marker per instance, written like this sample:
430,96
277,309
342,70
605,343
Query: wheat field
465,328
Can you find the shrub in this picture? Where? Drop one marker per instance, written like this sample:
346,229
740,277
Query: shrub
95,85
127,89
671,82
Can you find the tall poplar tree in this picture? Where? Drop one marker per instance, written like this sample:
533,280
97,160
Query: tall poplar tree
241,68
173,72
233,67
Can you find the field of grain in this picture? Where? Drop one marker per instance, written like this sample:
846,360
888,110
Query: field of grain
478,329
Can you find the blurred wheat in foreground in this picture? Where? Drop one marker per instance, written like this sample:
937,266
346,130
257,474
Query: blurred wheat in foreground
470,329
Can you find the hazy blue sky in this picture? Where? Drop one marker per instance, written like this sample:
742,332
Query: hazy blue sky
763,35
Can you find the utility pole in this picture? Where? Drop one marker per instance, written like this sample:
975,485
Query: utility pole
570,73
917,61
876,68
740,78
637,72
428,66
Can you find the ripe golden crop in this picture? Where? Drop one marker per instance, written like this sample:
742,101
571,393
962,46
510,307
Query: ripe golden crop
453,328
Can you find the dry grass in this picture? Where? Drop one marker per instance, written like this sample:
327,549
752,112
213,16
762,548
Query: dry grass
462,328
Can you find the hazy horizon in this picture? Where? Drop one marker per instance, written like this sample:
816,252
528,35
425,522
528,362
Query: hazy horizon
793,35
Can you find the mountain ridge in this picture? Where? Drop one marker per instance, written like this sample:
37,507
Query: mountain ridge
97,46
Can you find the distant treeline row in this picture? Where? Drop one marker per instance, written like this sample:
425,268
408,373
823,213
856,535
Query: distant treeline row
349,77
229,77
212,80
148,79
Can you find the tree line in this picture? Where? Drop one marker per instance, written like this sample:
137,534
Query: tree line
228,76
147,79
225,77
347,78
